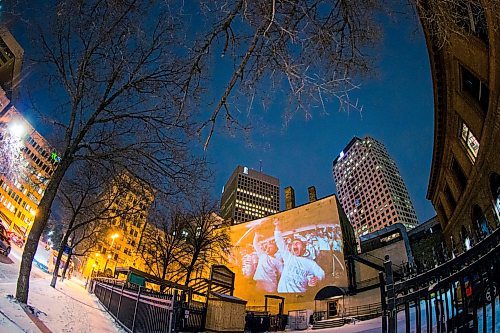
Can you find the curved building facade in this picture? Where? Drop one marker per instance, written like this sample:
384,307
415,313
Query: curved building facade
464,52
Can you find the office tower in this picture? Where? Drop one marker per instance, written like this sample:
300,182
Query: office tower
370,188
11,58
249,195
35,162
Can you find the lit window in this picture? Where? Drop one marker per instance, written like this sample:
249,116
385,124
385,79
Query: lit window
469,141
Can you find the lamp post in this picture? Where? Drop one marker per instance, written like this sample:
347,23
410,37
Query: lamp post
113,237
106,264
97,254
91,274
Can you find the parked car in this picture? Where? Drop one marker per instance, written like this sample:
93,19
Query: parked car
16,239
4,241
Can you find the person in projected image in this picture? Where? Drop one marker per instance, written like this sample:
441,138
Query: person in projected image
269,265
249,261
298,272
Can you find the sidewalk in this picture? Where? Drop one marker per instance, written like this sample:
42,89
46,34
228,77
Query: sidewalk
66,308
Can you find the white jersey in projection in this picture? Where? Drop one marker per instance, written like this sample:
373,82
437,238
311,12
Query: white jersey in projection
296,270
268,268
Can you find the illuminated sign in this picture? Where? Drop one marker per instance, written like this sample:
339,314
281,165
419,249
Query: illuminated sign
54,157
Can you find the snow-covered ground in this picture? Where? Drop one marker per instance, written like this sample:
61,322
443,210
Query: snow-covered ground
70,308
67,308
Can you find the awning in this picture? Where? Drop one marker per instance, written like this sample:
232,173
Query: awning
5,220
328,292
19,230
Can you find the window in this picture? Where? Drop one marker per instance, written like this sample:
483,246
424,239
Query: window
469,141
469,16
459,173
474,87
450,198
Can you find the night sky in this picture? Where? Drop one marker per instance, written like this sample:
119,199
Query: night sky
397,110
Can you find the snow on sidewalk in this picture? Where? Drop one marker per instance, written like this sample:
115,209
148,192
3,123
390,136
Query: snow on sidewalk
67,308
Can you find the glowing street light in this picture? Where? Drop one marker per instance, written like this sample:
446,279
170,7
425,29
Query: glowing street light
17,130
113,237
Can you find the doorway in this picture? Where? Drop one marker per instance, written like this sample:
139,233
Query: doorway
332,309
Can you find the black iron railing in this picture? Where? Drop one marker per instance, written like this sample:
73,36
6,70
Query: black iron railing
460,295
136,309
361,312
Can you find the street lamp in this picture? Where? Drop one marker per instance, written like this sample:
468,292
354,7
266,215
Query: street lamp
106,264
91,274
113,237
17,130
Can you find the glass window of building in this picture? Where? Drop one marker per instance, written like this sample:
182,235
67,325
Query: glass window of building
469,141
475,88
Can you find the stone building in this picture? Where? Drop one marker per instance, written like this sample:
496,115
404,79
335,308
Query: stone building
464,52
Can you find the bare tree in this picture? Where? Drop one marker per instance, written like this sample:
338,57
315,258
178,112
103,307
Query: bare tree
12,163
162,244
90,199
114,63
84,240
131,81
445,18
310,51
206,238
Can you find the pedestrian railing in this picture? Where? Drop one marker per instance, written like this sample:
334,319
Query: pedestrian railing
361,312
138,310
459,296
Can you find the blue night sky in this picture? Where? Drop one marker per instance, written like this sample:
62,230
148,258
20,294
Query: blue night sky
397,110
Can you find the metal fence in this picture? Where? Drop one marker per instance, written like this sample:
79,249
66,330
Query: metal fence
460,295
191,317
361,312
138,310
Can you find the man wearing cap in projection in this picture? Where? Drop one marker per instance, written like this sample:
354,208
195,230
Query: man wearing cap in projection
298,272
269,265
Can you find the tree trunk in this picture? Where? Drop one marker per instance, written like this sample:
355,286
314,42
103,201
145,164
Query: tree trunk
66,265
190,268
23,283
163,274
58,260
61,250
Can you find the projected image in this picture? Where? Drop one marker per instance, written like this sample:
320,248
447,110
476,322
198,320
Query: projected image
280,256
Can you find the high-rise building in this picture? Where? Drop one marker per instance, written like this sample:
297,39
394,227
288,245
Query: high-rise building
370,188
11,58
33,161
249,195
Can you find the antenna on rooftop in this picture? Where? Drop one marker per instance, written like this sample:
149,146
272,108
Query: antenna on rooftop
260,165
